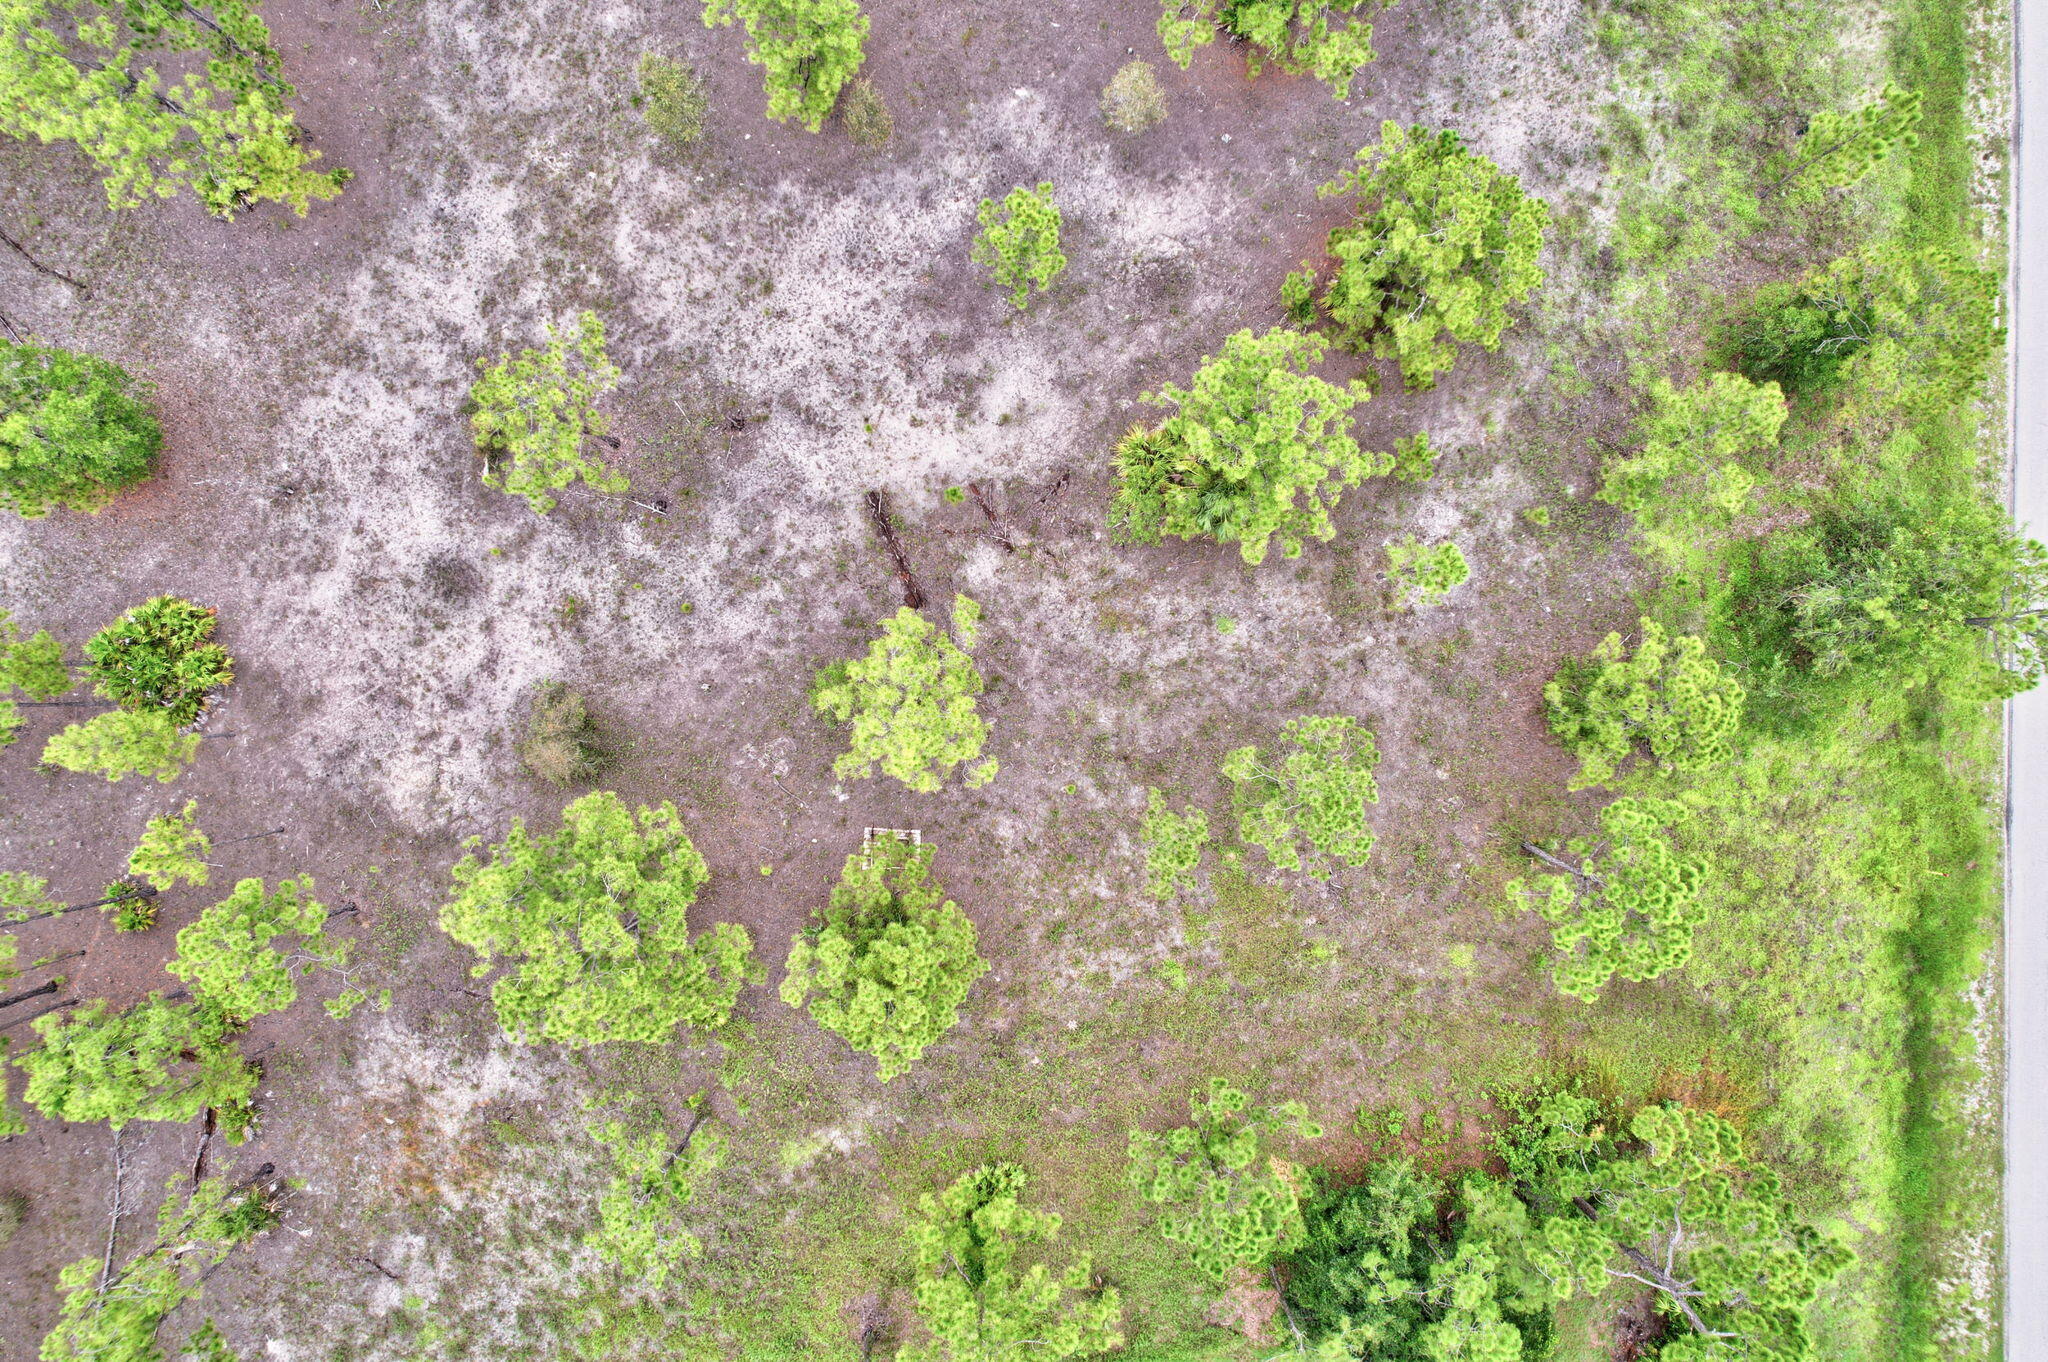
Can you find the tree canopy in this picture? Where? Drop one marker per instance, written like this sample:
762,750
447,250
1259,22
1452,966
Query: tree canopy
123,743
74,429
594,920
975,1296
889,961
1019,241
654,1178
1669,696
1173,846
1228,1201
216,120
229,960
1628,906
1258,446
808,50
32,664
1444,242
911,702
1421,575
1298,36
155,1061
1316,795
1690,473
172,849
534,414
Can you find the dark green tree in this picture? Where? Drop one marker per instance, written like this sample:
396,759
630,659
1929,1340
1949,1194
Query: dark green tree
74,429
160,656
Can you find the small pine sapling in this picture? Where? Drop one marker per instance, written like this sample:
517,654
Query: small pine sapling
1019,241
173,850
978,1302
1228,1201
1295,35
1414,460
1132,102
807,49
1173,846
1669,696
1421,575
910,702
133,904
160,656
1318,794
74,429
889,961
1628,907
1444,243
561,744
1259,446
534,414
594,917
123,743
654,1178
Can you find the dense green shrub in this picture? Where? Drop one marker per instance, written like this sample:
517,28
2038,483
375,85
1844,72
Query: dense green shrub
911,702
216,119
537,412
1228,1201
1295,35
889,961
672,100
123,743
594,917
1257,447
1132,101
1420,574
1173,846
976,1303
807,49
160,656
74,429
1669,696
561,744
1443,243
1316,795
1019,241
1626,904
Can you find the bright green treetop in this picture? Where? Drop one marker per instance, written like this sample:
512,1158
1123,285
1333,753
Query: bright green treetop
74,429
888,963
1677,1205
537,412
1420,574
1295,35
123,743
119,1316
228,959
808,50
1841,148
1670,695
595,918
78,71
1628,907
1258,446
654,1178
172,849
1689,473
1019,241
32,664
911,702
155,1061
1317,794
1228,1202
160,655
1443,243
976,1299
1173,846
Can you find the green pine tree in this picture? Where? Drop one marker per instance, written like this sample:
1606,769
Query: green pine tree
74,429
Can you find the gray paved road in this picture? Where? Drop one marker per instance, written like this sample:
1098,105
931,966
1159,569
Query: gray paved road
2026,914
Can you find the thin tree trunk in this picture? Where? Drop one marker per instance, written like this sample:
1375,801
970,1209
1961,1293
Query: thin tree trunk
41,1011
913,594
27,993
1000,532
84,290
114,1218
144,893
